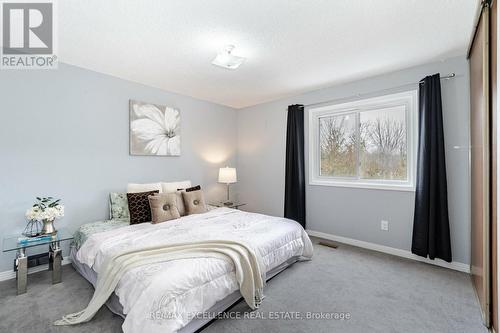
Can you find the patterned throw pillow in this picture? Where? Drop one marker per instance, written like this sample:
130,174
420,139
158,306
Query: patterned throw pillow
118,206
194,202
138,206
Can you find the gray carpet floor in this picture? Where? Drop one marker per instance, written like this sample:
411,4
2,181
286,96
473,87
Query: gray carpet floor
379,293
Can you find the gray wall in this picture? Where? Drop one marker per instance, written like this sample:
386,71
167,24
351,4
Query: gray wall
64,133
350,212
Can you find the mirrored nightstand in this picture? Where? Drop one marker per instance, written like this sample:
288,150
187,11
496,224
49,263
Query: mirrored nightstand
234,204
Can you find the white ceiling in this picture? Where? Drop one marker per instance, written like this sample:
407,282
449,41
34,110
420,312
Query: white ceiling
292,46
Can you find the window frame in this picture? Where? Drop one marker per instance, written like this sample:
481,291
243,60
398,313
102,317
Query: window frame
407,98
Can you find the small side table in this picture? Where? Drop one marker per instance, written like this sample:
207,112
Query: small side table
234,204
11,243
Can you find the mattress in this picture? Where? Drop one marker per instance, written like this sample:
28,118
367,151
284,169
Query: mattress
168,296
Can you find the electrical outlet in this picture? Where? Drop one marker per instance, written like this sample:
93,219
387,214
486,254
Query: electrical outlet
384,225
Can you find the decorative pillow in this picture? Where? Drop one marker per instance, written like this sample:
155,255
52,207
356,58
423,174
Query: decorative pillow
138,206
137,188
118,206
163,207
173,186
191,189
180,200
180,203
194,202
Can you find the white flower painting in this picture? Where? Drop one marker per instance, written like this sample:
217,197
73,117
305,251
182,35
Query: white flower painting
154,130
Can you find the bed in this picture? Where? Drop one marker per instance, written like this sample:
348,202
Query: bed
184,295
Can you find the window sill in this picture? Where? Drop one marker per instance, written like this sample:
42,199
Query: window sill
369,186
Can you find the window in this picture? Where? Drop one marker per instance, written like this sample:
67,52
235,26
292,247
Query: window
367,143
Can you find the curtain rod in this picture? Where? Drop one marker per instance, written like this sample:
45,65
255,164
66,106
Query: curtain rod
445,77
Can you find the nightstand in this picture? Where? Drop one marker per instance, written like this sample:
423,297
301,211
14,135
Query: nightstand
11,243
234,204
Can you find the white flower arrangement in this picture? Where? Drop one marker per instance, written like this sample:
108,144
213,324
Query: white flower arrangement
45,209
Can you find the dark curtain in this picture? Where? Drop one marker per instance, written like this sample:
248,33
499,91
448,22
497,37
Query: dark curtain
431,230
295,183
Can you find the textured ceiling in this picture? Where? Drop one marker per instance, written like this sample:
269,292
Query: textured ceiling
292,46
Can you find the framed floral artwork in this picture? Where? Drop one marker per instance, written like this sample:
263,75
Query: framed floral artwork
154,129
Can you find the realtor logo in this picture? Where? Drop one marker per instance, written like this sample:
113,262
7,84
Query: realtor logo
28,35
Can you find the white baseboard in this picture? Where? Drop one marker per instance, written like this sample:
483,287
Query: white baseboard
458,266
7,275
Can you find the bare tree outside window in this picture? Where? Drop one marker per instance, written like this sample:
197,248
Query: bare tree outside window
365,143
383,155
338,146
377,141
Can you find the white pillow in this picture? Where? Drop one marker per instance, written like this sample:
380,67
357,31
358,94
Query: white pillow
136,188
174,186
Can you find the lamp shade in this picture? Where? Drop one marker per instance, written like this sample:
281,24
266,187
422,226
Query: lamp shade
227,175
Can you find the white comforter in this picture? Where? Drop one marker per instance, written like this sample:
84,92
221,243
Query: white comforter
164,297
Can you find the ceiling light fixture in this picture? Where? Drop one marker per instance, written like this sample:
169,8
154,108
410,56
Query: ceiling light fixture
226,60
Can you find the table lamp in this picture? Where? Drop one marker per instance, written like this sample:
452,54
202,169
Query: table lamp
227,176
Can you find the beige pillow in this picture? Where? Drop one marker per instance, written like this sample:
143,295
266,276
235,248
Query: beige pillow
180,203
163,207
194,202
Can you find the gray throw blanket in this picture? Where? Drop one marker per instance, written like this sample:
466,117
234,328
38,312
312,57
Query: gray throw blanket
248,266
